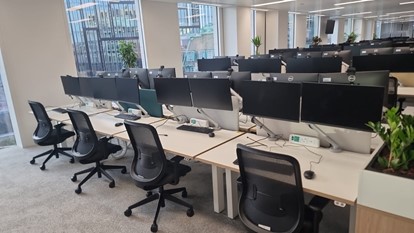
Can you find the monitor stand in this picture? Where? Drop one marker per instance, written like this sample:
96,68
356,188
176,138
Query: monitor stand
209,119
334,146
272,136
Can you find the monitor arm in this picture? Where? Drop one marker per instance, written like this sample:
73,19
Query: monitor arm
159,75
81,102
215,124
144,112
334,146
272,136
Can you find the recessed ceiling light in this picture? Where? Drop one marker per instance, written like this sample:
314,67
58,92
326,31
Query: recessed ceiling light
401,12
207,4
294,13
258,9
273,3
405,3
371,17
329,9
352,2
360,13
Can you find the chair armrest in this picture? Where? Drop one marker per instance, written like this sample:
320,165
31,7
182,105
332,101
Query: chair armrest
176,159
105,138
318,203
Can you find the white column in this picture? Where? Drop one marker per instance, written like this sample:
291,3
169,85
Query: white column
162,35
359,29
36,49
237,31
261,30
276,29
369,29
300,31
338,35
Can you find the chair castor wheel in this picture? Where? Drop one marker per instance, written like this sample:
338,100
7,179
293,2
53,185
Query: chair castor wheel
72,160
42,167
190,212
112,184
74,178
32,161
184,194
154,227
149,193
128,212
78,190
123,171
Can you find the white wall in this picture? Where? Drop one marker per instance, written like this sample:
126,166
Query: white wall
230,45
338,35
244,35
36,48
261,30
162,35
300,31
237,31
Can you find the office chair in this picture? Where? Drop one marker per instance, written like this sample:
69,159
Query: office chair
48,135
89,149
272,195
151,170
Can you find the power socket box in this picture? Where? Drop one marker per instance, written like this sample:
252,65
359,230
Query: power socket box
304,140
199,122
135,112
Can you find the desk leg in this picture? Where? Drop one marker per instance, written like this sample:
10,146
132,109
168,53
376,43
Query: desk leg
218,188
232,195
352,218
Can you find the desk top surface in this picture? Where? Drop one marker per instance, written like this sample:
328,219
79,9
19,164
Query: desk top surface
57,116
185,143
405,91
336,176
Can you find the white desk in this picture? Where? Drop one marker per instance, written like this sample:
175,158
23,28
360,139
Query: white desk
185,143
336,177
59,117
405,91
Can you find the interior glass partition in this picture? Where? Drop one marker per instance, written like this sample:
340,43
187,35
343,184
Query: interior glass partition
198,33
96,28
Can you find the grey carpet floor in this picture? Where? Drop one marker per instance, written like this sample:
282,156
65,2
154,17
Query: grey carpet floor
32,200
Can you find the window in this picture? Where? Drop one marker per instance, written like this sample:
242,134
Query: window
312,28
6,130
198,33
291,31
97,27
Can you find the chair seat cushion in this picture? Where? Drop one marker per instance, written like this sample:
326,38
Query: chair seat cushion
100,153
169,176
54,138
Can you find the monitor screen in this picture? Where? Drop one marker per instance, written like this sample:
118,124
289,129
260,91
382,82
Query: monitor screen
211,93
70,85
294,77
104,88
346,55
260,56
376,51
369,63
142,75
284,55
161,72
86,87
127,90
402,62
213,64
347,106
314,65
199,74
260,65
173,91
237,78
276,100
220,74
308,54
330,25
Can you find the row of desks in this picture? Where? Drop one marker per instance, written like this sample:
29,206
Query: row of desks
337,174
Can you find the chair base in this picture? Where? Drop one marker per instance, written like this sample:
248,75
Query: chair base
162,195
53,152
99,169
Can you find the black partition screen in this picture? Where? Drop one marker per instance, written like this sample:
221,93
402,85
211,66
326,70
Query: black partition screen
270,65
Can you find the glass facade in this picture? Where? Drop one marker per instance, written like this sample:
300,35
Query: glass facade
96,28
6,129
198,33
291,30
312,28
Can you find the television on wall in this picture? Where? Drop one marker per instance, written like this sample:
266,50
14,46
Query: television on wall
330,25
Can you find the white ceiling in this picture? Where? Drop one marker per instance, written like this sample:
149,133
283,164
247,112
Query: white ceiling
377,7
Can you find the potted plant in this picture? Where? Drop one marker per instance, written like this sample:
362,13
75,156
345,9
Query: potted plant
316,40
257,41
128,55
398,136
351,37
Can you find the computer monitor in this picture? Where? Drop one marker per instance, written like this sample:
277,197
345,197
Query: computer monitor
346,106
234,60
314,65
142,75
369,63
376,51
276,100
161,72
211,93
237,78
127,90
403,50
260,56
284,55
308,54
402,62
104,88
173,91
86,87
199,74
220,74
148,101
346,55
294,77
364,78
220,57
70,85
260,65
330,25
213,64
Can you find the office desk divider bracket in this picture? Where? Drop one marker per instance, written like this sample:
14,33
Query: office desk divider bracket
334,146
209,119
272,136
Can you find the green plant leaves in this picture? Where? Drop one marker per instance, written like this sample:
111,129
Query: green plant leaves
128,55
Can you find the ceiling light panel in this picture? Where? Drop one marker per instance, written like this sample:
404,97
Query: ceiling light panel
329,9
272,3
352,2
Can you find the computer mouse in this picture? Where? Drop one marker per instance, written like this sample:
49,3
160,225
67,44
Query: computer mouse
211,135
118,124
309,174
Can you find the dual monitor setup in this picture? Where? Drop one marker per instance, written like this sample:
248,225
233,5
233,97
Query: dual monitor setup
235,77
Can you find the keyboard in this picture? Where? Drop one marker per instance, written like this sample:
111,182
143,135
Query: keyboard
195,129
127,116
60,110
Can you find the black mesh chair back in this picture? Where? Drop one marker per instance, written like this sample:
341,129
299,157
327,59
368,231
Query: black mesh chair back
272,195
392,92
47,134
149,163
44,125
86,139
